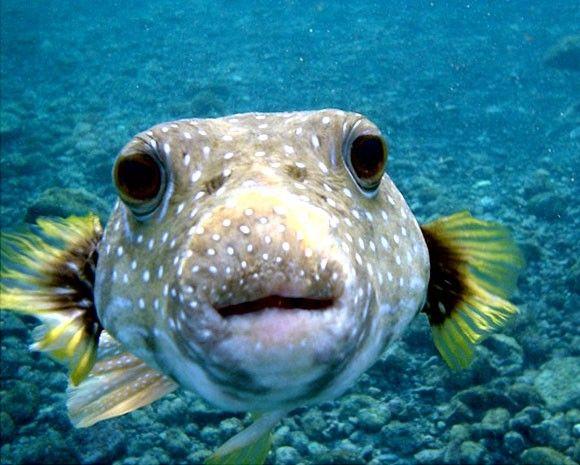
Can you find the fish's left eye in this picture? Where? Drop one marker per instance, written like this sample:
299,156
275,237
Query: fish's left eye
140,181
367,161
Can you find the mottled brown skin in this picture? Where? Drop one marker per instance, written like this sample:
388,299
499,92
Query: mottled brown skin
260,205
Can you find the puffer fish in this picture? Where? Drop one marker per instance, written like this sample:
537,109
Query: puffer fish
262,260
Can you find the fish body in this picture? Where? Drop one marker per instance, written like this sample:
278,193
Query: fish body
262,260
261,205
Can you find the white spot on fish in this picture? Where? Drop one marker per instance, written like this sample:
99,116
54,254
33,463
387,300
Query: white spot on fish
315,141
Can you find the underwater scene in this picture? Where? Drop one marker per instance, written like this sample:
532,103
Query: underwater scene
256,277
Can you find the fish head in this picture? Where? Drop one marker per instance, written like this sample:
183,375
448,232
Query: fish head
254,260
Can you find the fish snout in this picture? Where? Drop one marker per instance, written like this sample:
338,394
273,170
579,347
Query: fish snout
268,300
262,249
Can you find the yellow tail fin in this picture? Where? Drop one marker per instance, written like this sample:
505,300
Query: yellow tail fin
50,275
251,446
474,268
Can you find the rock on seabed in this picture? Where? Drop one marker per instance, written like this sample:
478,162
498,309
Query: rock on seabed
544,456
558,383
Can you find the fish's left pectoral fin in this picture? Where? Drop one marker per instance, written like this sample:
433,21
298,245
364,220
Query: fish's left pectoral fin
118,383
251,446
474,269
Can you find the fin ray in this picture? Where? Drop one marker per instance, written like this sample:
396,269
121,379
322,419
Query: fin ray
118,383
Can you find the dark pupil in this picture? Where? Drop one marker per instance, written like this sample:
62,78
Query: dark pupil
138,177
367,155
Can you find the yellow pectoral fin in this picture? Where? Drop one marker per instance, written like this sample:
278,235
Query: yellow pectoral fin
474,267
49,275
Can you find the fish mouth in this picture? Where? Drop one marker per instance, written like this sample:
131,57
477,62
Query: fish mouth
279,302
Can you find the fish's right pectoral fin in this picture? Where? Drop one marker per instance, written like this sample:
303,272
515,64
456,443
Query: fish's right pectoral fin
49,273
474,268
251,446
118,383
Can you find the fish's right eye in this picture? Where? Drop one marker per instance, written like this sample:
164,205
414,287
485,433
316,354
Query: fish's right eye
140,181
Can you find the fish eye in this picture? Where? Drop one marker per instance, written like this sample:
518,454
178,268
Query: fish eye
367,160
140,181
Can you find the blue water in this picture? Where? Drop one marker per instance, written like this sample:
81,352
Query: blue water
478,117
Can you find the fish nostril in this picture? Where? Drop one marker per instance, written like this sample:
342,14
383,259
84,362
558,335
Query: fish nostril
215,183
296,173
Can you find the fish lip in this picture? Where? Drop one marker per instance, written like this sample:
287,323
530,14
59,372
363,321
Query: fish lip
277,302
288,294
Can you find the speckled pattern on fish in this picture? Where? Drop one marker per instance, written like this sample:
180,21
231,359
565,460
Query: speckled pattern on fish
260,205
